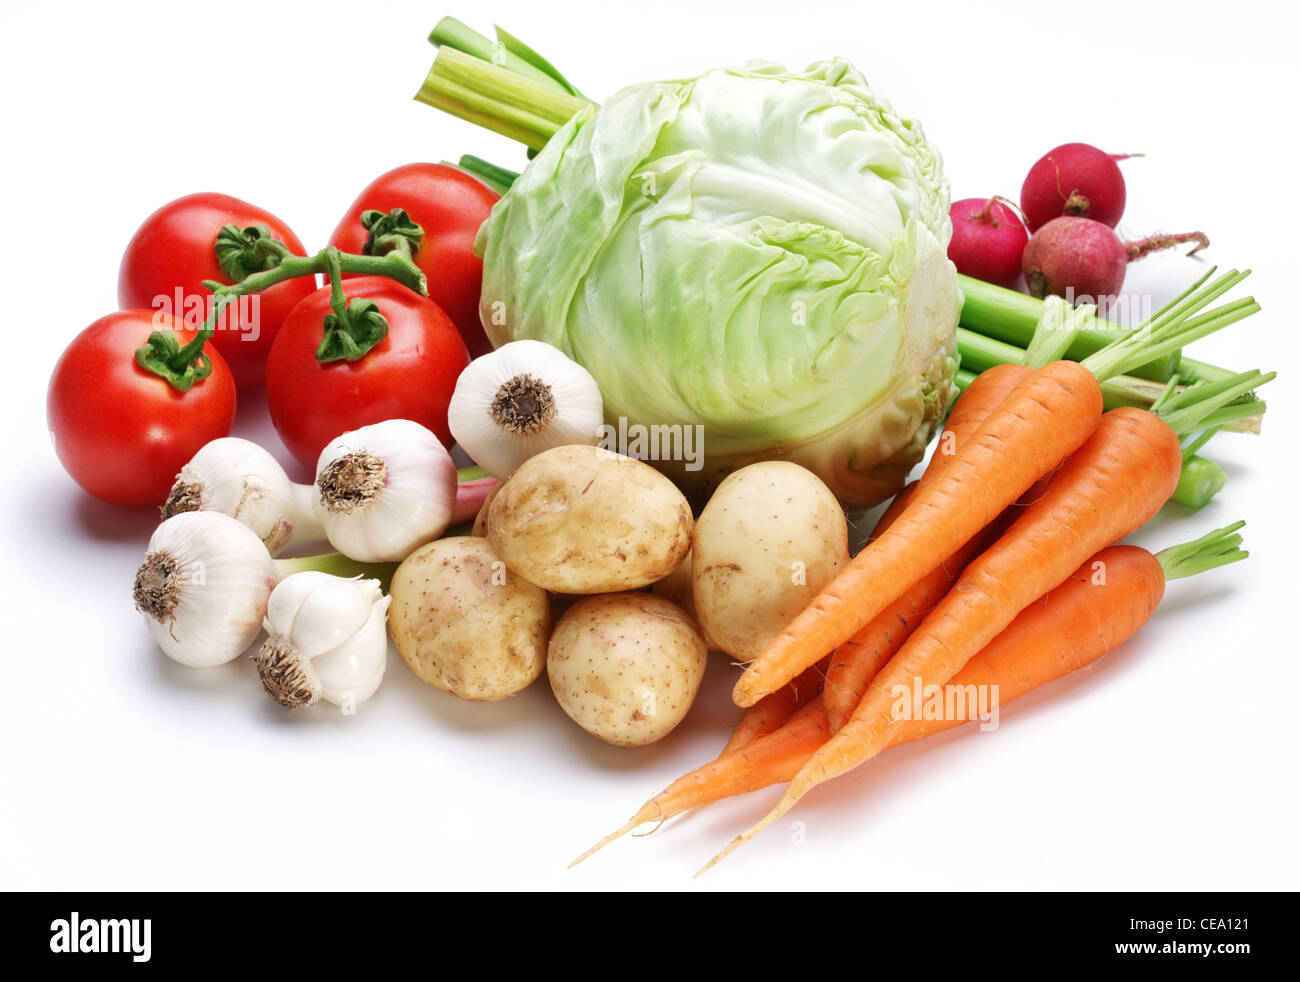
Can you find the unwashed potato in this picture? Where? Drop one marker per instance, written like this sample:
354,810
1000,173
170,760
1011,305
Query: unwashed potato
626,666
579,519
464,623
771,536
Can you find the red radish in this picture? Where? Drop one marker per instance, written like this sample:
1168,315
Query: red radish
1074,179
1084,261
988,239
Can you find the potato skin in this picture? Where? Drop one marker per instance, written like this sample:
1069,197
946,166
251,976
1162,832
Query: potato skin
626,667
677,586
480,520
580,519
759,524
464,624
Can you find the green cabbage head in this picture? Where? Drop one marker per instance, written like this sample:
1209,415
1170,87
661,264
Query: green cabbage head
755,251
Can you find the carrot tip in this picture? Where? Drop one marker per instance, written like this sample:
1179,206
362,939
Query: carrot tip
744,696
744,837
607,840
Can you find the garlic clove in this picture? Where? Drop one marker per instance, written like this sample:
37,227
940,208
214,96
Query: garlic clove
526,397
328,640
352,672
287,599
332,612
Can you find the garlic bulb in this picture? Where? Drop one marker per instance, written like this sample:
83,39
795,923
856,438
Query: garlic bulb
383,490
328,640
238,478
523,398
203,587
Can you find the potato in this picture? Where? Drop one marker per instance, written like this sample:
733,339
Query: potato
464,624
771,536
676,586
579,519
480,520
626,666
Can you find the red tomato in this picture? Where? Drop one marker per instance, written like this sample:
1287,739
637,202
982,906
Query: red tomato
171,255
123,433
449,205
410,374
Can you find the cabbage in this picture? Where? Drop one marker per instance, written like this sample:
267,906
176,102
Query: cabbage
758,252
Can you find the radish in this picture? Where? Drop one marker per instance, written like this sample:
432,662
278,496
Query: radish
988,239
1074,179
1084,260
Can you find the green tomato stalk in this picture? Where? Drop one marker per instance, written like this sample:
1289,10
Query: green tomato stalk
256,262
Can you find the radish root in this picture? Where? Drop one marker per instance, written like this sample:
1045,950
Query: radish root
1155,243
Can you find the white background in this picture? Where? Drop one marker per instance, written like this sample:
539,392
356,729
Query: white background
1170,766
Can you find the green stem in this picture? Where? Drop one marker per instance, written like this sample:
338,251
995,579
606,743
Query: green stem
351,328
1012,317
979,352
1058,329
241,252
527,111
390,231
507,51
1193,447
184,366
499,179
335,564
1217,548
1200,481
1167,334
1190,409
490,95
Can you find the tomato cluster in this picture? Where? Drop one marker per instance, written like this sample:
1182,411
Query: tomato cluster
123,430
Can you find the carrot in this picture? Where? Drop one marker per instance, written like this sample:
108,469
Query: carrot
775,757
1043,420
854,664
768,714
1098,607
971,409
1118,479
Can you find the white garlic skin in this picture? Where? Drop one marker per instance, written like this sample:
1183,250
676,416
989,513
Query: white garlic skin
226,580
339,626
579,408
414,505
238,478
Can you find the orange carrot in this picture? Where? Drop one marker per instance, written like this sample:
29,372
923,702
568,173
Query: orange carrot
775,757
854,664
1042,421
770,713
1098,607
969,412
1118,479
